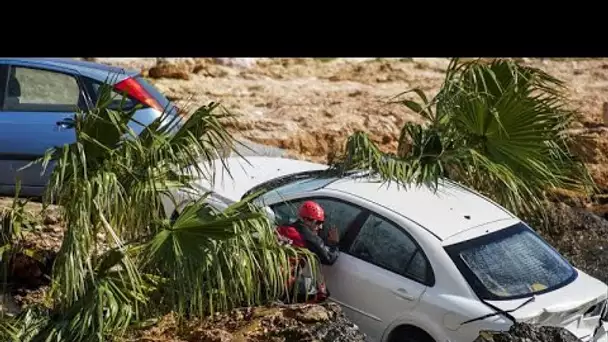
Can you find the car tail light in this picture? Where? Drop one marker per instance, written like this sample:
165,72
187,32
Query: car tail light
132,88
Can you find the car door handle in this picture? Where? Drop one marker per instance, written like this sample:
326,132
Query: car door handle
402,293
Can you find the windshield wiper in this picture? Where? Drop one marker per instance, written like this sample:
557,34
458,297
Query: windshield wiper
506,313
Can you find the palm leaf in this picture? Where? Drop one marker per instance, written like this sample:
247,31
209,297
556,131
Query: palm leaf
498,127
214,261
25,325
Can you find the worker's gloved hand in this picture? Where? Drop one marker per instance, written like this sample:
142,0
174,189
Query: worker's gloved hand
332,236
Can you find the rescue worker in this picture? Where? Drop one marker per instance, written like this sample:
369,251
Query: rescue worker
304,233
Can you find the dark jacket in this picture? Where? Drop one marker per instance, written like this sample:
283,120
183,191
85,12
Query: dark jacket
304,237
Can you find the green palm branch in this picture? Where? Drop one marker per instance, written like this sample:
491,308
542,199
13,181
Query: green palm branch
498,127
216,260
121,259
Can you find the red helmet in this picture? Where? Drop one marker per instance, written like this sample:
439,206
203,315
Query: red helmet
312,210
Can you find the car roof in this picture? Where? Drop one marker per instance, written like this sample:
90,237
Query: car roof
98,71
446,211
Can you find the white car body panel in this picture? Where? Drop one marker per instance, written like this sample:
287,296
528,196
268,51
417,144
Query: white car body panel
378,300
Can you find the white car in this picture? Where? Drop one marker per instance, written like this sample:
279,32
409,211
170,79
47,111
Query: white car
418,265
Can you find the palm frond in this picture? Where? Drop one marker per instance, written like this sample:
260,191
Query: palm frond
109,306
25,325
216,260
111,300
498,127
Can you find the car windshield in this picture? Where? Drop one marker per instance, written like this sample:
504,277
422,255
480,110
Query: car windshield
511,263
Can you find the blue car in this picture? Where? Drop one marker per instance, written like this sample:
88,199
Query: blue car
41,95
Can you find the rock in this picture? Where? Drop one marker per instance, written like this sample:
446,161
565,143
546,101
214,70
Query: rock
168,70
51,219
313,314
26,271
523,332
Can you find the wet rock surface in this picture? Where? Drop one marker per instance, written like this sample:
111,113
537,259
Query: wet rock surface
523,332
303,322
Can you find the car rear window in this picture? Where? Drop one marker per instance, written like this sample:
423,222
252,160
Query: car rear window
512,263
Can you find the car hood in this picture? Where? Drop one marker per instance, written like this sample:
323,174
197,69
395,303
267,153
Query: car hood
239,174
564,307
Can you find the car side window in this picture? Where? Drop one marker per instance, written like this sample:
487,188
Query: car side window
337,213
30,89
119,101
381,243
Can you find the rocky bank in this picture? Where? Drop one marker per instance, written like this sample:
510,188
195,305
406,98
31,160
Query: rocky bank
277,323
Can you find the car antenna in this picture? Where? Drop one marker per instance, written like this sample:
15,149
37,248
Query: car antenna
506,313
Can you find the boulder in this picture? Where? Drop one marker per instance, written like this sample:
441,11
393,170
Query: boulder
169,70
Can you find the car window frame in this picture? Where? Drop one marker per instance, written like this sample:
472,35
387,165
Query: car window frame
84,101
90,83
3,83
348,239
352,232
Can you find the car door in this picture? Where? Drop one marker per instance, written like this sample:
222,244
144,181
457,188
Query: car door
380,277
36,108
380,274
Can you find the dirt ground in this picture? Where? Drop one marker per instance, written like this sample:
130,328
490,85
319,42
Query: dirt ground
309,105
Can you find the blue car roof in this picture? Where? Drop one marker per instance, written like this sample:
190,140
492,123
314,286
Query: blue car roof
98,71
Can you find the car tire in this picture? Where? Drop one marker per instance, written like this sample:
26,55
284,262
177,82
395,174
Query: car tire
410,334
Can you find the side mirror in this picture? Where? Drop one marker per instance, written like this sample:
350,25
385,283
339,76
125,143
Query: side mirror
269,213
